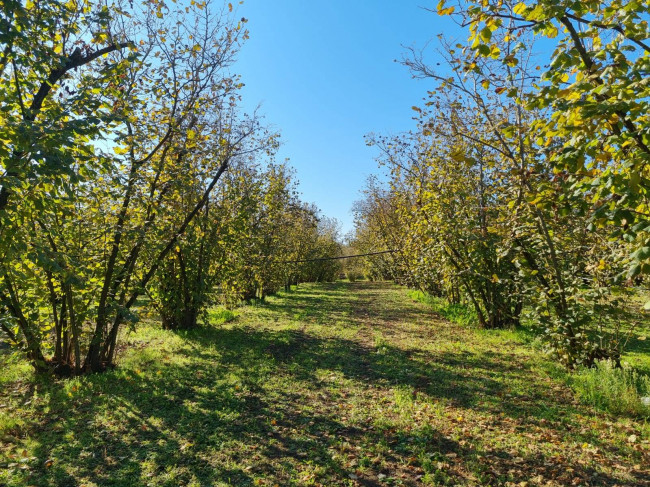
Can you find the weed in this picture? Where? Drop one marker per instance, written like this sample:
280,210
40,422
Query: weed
456,313
621,391
220,315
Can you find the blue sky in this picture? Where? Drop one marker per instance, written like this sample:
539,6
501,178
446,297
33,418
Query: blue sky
325,76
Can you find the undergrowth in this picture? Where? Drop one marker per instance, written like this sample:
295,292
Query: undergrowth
621,391
456,313
219,316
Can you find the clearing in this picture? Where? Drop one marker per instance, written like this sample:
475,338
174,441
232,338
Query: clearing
329,384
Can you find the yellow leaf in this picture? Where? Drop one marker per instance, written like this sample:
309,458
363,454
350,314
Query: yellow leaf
520,8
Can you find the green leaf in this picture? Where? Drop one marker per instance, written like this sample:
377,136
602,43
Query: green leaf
641,254
486,34
634,271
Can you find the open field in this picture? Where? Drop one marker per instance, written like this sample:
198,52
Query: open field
330,384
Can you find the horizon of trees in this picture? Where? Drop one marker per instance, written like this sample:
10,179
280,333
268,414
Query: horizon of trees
131,179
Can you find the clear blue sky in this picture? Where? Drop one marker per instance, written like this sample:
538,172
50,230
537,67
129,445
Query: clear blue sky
325,76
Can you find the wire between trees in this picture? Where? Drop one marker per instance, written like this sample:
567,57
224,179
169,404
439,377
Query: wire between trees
336,258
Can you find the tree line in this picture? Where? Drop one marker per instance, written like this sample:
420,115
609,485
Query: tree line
525,185
130,178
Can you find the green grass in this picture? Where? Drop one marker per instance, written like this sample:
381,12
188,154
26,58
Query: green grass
218,316
334,384
617,390
460,314
637,320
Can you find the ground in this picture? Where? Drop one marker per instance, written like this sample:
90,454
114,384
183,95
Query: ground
329,384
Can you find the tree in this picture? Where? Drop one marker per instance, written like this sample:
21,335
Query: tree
51,81
112,218
585,123
595,91
479,209
52,76
452,207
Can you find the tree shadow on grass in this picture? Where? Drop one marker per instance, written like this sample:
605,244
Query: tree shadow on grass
474,381
178,427
223,421
353,305
185,425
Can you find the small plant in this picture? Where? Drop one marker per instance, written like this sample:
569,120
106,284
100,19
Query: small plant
620,391
353,276
221,315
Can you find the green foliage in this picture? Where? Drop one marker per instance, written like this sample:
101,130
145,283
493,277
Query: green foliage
524,190
118,124
593,96
457,313
253,238
449,214
108,159
619,390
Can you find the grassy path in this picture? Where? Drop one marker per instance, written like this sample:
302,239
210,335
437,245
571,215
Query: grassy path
333,384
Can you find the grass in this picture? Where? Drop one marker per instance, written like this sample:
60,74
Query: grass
460,314
617,390
350,384
220,315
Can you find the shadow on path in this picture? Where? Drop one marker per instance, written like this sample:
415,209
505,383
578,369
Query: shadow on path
221,418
